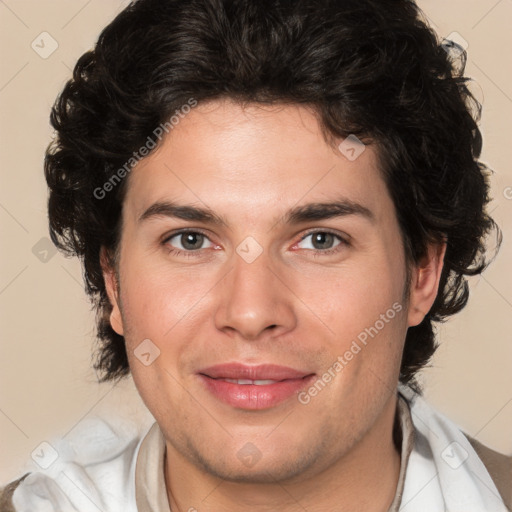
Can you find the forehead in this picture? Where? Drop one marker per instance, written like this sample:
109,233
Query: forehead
254,159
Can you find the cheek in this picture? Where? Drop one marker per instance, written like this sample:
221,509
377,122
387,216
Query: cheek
360,309
155,301
162,312
347,301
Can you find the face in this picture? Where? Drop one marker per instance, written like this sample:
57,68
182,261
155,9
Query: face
265,271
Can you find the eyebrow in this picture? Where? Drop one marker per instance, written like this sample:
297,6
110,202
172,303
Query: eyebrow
184,212
296,215
328,210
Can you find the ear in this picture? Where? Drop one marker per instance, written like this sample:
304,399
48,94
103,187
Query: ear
112,288
425,283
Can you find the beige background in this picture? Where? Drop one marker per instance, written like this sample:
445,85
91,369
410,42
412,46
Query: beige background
46,327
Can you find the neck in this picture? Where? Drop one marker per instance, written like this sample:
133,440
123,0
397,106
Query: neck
363,479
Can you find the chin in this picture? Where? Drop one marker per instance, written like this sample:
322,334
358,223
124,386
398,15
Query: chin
249,465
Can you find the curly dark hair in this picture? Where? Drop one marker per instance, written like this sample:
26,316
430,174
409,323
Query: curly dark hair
373,68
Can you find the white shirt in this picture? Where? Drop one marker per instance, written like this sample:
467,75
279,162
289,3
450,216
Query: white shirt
109,468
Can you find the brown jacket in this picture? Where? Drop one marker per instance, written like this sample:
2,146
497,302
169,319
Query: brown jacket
499,467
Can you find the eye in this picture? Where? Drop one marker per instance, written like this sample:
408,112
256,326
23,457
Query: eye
321,241
187,241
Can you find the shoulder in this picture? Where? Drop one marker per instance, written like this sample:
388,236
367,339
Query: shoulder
463,470
499,467
6,493
92,467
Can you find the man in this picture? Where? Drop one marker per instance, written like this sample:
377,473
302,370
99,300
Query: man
274,201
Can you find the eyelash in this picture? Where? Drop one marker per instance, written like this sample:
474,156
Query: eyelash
178,252
319,253
195,253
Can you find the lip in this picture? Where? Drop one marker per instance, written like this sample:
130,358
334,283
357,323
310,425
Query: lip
288,382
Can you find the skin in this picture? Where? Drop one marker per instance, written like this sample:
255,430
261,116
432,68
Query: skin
295,305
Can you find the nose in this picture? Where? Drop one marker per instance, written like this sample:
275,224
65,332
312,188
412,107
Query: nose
254,300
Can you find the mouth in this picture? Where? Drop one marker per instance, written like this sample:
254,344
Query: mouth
254,387
246,382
